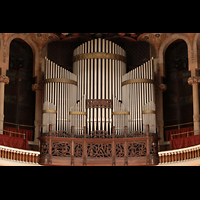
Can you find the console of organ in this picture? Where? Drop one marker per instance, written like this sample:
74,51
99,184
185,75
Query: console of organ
99,94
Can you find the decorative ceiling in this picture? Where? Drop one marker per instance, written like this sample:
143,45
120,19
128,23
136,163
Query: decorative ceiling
132,36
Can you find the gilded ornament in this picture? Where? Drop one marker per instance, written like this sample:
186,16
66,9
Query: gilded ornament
50,111
77,113
148,112
137,81
99,55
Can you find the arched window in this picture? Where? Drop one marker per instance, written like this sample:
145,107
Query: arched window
177,99
19,106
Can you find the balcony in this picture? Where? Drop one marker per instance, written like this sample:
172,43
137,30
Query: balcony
18,157
189,156
98,149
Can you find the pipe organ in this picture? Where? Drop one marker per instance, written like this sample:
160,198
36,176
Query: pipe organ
99,94
60,87
138,86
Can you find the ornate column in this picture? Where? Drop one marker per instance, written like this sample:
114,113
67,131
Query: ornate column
3,80
194,80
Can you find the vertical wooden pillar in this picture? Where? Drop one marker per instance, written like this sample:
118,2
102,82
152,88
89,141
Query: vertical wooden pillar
125,131
84,148
113,131
113,146
72,146
125,147
50,141
72,131
148,143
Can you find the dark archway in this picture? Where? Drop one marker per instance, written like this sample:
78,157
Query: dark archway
19,106
177,99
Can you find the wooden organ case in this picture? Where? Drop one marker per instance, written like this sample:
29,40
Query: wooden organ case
99,114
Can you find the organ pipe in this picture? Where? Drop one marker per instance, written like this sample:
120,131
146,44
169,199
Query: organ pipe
104,62
139,84
58,84
99,94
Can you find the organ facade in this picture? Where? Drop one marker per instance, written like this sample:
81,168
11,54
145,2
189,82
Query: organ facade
99,94
64,91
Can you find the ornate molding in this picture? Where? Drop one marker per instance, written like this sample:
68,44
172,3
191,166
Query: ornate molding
41,39
4,79
5,37
193,79
99,55
153,38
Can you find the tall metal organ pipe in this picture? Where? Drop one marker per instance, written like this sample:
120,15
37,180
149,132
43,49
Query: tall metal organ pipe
101,64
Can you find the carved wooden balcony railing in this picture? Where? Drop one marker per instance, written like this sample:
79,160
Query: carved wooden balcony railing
98,149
